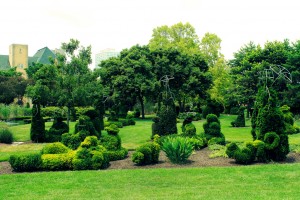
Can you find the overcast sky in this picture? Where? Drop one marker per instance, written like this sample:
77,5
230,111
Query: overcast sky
121,24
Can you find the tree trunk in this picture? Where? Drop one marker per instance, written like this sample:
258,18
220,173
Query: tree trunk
141,99
68,116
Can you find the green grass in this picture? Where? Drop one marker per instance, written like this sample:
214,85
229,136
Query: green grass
272,181
134,136
7,150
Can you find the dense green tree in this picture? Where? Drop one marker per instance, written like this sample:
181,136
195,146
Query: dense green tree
190,74
180,36
74,75
130,77
210,47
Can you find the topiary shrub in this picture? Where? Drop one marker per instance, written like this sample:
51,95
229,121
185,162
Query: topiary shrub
6,136
155,126
212,129
288,120
167,120
117,154
73,140
231,148
177,149
243,156
90,155
150,152
240,120
26,162
37,130
57,129
85,123
189,130
271,140
61,161
112,129
111,142
137,113
55,148
212,107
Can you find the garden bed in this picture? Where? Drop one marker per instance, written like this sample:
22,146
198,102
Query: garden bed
198,159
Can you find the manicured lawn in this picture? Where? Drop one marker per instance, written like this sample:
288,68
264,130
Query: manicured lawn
134,136
273,181
6,151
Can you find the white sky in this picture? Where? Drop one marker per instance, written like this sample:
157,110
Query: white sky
121,24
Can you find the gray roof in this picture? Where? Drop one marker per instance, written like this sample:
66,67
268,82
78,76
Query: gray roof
4,62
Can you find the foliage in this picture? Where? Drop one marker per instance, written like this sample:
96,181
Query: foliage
111,142
212,107
85,124
37,130
269,118
240,120
117,154
177,149
167,120
212,130
189,129
25,162
90,155
57,129
12,87
112,129
62,161
73,140
6,136
146,154
231,148
55,148
288,120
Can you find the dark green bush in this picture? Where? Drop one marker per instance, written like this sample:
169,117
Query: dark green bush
177,149
58,161
26,162
111,142
85,123
55,148
37,130
271,140
231,148
190,129
197,142
73,140
213,107
119,124
150,152
117,154
240,120
6,136
137,113
155,126
243,156
167,120
212,130
112,129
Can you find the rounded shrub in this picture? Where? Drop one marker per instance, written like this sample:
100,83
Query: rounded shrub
243,156
150,153
231,148
71,140
6,136
111,142
55,148
190,129
137,157
89,142
117,154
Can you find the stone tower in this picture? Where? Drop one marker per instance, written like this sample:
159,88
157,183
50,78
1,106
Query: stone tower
18,57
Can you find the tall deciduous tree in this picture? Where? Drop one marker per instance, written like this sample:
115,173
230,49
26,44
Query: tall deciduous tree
74,75
180,36
130,76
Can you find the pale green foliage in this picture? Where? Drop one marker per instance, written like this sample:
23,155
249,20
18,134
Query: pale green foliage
181,36
210,47
177,149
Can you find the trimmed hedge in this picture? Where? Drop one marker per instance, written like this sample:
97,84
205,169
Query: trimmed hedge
111,142
58,161
6,136
117,154
26,162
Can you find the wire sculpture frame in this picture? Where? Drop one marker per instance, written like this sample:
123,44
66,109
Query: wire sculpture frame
165,80
272,74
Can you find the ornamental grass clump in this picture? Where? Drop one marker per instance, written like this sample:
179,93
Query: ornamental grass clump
177,149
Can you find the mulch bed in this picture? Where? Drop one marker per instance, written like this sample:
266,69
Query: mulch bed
198,159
